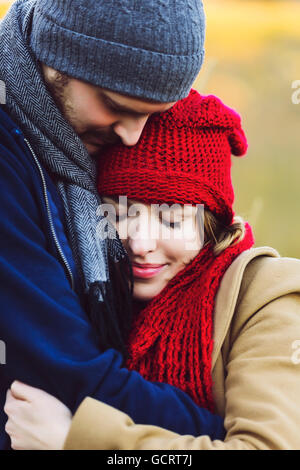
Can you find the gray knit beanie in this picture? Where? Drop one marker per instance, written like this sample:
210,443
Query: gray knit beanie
150,49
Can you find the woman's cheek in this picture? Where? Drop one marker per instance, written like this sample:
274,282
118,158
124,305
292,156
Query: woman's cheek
192,238
122,230
183,248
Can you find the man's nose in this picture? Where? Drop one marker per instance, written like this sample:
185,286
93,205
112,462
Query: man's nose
130,129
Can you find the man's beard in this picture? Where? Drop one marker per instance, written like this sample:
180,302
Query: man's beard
99,138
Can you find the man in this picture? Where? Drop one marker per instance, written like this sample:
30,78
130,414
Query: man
81,74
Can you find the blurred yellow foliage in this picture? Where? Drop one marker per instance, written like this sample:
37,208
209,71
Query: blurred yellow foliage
4,6
240,26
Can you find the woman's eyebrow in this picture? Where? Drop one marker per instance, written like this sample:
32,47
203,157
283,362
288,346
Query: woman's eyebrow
177,212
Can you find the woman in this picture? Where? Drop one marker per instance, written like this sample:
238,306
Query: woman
213,315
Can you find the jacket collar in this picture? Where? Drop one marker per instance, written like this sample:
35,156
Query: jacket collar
228,292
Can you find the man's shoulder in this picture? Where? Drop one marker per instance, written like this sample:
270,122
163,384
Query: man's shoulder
20,179
13,151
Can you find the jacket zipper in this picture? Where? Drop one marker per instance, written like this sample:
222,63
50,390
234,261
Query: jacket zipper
57,244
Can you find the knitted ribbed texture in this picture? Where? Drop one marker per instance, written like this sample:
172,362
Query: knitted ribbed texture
148,48
183,156
171,339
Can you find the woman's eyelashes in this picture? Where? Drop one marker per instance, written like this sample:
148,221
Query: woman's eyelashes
120,217
173,225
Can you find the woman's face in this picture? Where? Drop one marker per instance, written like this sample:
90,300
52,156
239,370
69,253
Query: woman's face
160,243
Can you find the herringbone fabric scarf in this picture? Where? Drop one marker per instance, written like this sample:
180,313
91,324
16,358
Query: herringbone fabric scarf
61,152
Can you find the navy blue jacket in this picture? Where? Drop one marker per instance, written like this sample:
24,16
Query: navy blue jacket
49,341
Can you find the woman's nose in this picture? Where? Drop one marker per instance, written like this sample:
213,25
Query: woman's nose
140,238
130,129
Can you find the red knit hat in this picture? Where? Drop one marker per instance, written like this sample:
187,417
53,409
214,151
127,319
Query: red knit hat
183,156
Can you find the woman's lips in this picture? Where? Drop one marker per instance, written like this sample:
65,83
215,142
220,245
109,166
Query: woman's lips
146,271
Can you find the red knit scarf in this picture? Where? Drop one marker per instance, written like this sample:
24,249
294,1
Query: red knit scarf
172,337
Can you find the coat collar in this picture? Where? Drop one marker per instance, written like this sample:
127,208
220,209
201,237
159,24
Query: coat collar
228,292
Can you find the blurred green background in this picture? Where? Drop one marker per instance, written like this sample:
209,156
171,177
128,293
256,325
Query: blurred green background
252,59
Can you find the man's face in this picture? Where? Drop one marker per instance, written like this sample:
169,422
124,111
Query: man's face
99,116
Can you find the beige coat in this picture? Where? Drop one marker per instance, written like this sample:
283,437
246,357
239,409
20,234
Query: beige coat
255,368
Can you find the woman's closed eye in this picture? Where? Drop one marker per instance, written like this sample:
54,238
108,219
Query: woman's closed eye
121,217
172,225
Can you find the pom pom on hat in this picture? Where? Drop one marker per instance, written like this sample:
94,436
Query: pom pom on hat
238,142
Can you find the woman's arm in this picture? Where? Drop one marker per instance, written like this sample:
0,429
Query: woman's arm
28,409
262,390
39,421
262,385
50,341
262,394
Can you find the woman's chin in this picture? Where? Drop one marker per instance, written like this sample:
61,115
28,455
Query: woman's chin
145,293
143,298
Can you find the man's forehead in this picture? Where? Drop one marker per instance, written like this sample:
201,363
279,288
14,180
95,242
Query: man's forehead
130,103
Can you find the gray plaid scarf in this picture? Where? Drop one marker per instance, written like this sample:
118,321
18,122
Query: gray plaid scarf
64,156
